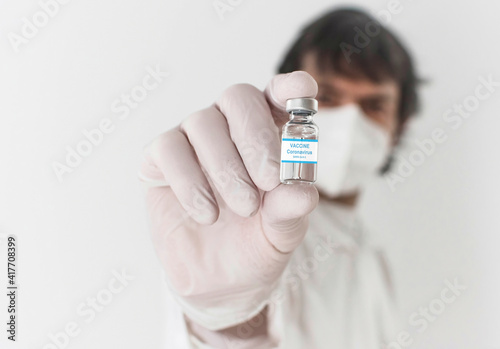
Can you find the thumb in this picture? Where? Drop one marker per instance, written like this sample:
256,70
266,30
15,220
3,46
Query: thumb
284,86
284,213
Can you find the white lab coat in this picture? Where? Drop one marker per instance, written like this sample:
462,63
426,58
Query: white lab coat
335,292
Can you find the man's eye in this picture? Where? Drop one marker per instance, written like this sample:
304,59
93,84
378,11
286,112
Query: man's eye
328,100
324,99
373,107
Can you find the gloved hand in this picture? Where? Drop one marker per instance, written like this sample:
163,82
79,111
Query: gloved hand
223,226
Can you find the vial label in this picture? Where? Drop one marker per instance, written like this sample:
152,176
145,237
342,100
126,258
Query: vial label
296,150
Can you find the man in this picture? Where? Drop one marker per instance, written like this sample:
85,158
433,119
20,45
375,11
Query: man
252,263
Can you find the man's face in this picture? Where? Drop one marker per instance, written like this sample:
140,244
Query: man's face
378,101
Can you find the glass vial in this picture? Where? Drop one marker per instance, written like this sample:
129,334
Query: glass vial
299,142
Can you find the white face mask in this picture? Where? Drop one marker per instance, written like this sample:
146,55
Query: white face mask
352,149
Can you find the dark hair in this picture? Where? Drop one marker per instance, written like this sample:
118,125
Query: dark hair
335,38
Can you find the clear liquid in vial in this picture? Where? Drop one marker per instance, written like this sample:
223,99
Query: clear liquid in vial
301,128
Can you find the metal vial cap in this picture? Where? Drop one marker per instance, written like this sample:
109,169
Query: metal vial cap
306,104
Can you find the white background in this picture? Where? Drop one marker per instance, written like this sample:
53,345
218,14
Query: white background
442,222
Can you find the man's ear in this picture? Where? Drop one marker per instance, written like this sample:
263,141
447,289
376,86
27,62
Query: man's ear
400,129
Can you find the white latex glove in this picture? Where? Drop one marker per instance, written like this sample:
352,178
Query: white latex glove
223,226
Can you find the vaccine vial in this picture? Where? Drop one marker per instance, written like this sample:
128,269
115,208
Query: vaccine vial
299,142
